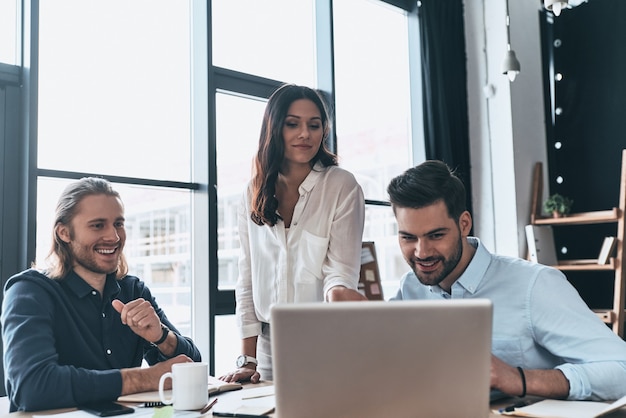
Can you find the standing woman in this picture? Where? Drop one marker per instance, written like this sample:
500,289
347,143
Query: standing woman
300,225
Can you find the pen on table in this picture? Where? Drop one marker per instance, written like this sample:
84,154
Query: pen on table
511,408
208,407
236,415
264,395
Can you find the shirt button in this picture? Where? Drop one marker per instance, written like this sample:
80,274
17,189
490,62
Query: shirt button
104,315
109,351
93,292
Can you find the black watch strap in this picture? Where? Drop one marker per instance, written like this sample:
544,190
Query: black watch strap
166,331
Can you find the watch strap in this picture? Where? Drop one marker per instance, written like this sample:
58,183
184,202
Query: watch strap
250,359
166,332
244,360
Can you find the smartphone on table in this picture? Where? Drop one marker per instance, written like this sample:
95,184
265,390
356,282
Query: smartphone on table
106,408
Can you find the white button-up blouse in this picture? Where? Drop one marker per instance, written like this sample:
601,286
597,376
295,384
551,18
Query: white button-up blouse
321,250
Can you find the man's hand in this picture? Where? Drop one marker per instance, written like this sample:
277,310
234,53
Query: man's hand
145,379
342,293
140,316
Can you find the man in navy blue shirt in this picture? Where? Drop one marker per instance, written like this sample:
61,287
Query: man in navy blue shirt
77,332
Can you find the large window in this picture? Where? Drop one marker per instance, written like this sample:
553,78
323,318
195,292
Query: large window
114,100
120,95
373,112
115,93
236,143
10,41
274,39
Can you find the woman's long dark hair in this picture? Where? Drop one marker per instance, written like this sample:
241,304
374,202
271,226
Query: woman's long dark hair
269,157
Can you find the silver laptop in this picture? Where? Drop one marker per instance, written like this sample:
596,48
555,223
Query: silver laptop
382,359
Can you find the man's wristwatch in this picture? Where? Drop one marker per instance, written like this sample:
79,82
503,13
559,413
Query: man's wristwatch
166,331
243,360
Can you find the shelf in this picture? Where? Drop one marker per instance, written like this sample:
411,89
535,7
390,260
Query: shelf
583,218
589,265
607,316
616,316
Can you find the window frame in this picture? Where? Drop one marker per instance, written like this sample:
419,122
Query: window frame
19,171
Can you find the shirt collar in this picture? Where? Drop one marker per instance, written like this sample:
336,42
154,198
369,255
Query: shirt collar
477,267
312,178
81,288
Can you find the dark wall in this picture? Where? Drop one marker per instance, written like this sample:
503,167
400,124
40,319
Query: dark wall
587,45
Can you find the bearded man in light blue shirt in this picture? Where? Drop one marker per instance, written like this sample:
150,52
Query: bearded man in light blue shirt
546,341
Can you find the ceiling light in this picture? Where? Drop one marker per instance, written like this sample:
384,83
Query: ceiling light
510,65
555,6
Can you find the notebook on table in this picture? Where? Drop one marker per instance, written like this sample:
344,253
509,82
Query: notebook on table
382,359
215,387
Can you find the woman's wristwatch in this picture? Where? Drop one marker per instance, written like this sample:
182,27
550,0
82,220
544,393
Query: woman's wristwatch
244,360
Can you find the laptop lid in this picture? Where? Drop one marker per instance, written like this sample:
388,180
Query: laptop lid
382,359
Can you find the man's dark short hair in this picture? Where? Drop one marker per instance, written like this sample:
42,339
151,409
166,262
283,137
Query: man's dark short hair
426,184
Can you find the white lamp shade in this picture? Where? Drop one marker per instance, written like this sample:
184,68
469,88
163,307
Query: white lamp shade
555,6
510,66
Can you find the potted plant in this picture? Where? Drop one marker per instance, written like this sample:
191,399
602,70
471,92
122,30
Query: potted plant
557,205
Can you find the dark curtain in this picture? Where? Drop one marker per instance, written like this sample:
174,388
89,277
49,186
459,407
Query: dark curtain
444,83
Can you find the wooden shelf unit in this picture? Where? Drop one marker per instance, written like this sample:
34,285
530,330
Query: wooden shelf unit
614,316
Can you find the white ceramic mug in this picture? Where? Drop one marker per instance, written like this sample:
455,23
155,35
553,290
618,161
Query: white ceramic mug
190,386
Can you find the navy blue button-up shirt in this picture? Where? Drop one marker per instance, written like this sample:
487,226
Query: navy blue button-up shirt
64,344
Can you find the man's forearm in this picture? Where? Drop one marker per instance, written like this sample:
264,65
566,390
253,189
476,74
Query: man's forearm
516,381
547,383
146,379
139,379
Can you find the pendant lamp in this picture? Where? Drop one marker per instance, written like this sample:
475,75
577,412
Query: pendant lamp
555,6
510,65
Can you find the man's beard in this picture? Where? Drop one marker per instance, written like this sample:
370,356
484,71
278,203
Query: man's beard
448,265
84,257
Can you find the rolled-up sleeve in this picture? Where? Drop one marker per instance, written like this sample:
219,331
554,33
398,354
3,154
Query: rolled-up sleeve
343,260
594,357
247,321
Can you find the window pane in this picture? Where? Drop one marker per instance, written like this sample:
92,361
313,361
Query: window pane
238,127
227,344
114,87
270,38
372,92
9,37
382,229
373,115
158,241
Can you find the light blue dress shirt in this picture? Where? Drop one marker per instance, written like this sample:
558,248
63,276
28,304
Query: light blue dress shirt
539,322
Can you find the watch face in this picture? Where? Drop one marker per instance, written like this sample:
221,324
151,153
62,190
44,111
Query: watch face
241,361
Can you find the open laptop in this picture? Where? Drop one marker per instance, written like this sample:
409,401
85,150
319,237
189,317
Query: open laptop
382,359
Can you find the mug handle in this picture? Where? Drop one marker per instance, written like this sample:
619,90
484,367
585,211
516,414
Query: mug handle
161,394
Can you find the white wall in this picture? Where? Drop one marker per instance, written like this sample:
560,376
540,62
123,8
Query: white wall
507,130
